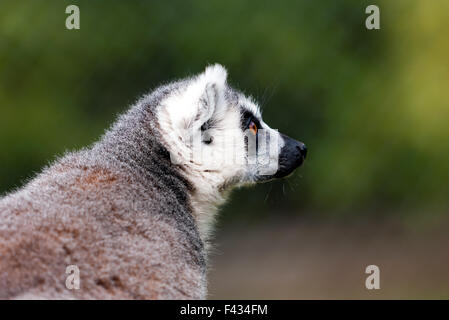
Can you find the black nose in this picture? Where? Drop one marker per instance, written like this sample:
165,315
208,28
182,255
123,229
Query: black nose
302,149
291,156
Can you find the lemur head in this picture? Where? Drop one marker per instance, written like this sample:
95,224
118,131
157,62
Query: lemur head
217,137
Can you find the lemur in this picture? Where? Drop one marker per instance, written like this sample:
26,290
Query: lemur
134,211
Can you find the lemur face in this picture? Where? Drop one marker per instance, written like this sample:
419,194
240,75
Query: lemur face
216,135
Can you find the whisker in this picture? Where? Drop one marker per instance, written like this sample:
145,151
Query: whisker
290,185
268,193
268,94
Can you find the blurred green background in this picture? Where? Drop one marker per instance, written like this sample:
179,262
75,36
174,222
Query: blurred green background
372,106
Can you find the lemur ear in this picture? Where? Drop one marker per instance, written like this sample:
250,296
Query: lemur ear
207,104
215,74
195,103
212,82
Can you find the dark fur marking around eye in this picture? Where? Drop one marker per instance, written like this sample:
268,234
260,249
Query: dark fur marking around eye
247,117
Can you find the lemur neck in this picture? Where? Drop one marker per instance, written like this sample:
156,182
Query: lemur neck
206,200
135,143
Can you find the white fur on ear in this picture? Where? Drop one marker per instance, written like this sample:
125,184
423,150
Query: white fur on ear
192,106
213,82
207,104
204,95
216,74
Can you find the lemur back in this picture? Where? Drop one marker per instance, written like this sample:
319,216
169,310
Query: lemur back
117,211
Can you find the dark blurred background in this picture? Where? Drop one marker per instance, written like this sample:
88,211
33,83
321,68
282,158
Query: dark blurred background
371,105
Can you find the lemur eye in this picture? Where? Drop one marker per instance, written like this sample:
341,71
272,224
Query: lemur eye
253,127
249,121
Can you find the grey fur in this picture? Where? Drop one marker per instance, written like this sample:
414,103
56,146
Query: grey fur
115,210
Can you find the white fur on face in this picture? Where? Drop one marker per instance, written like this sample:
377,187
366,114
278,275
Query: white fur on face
198,112
202,130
